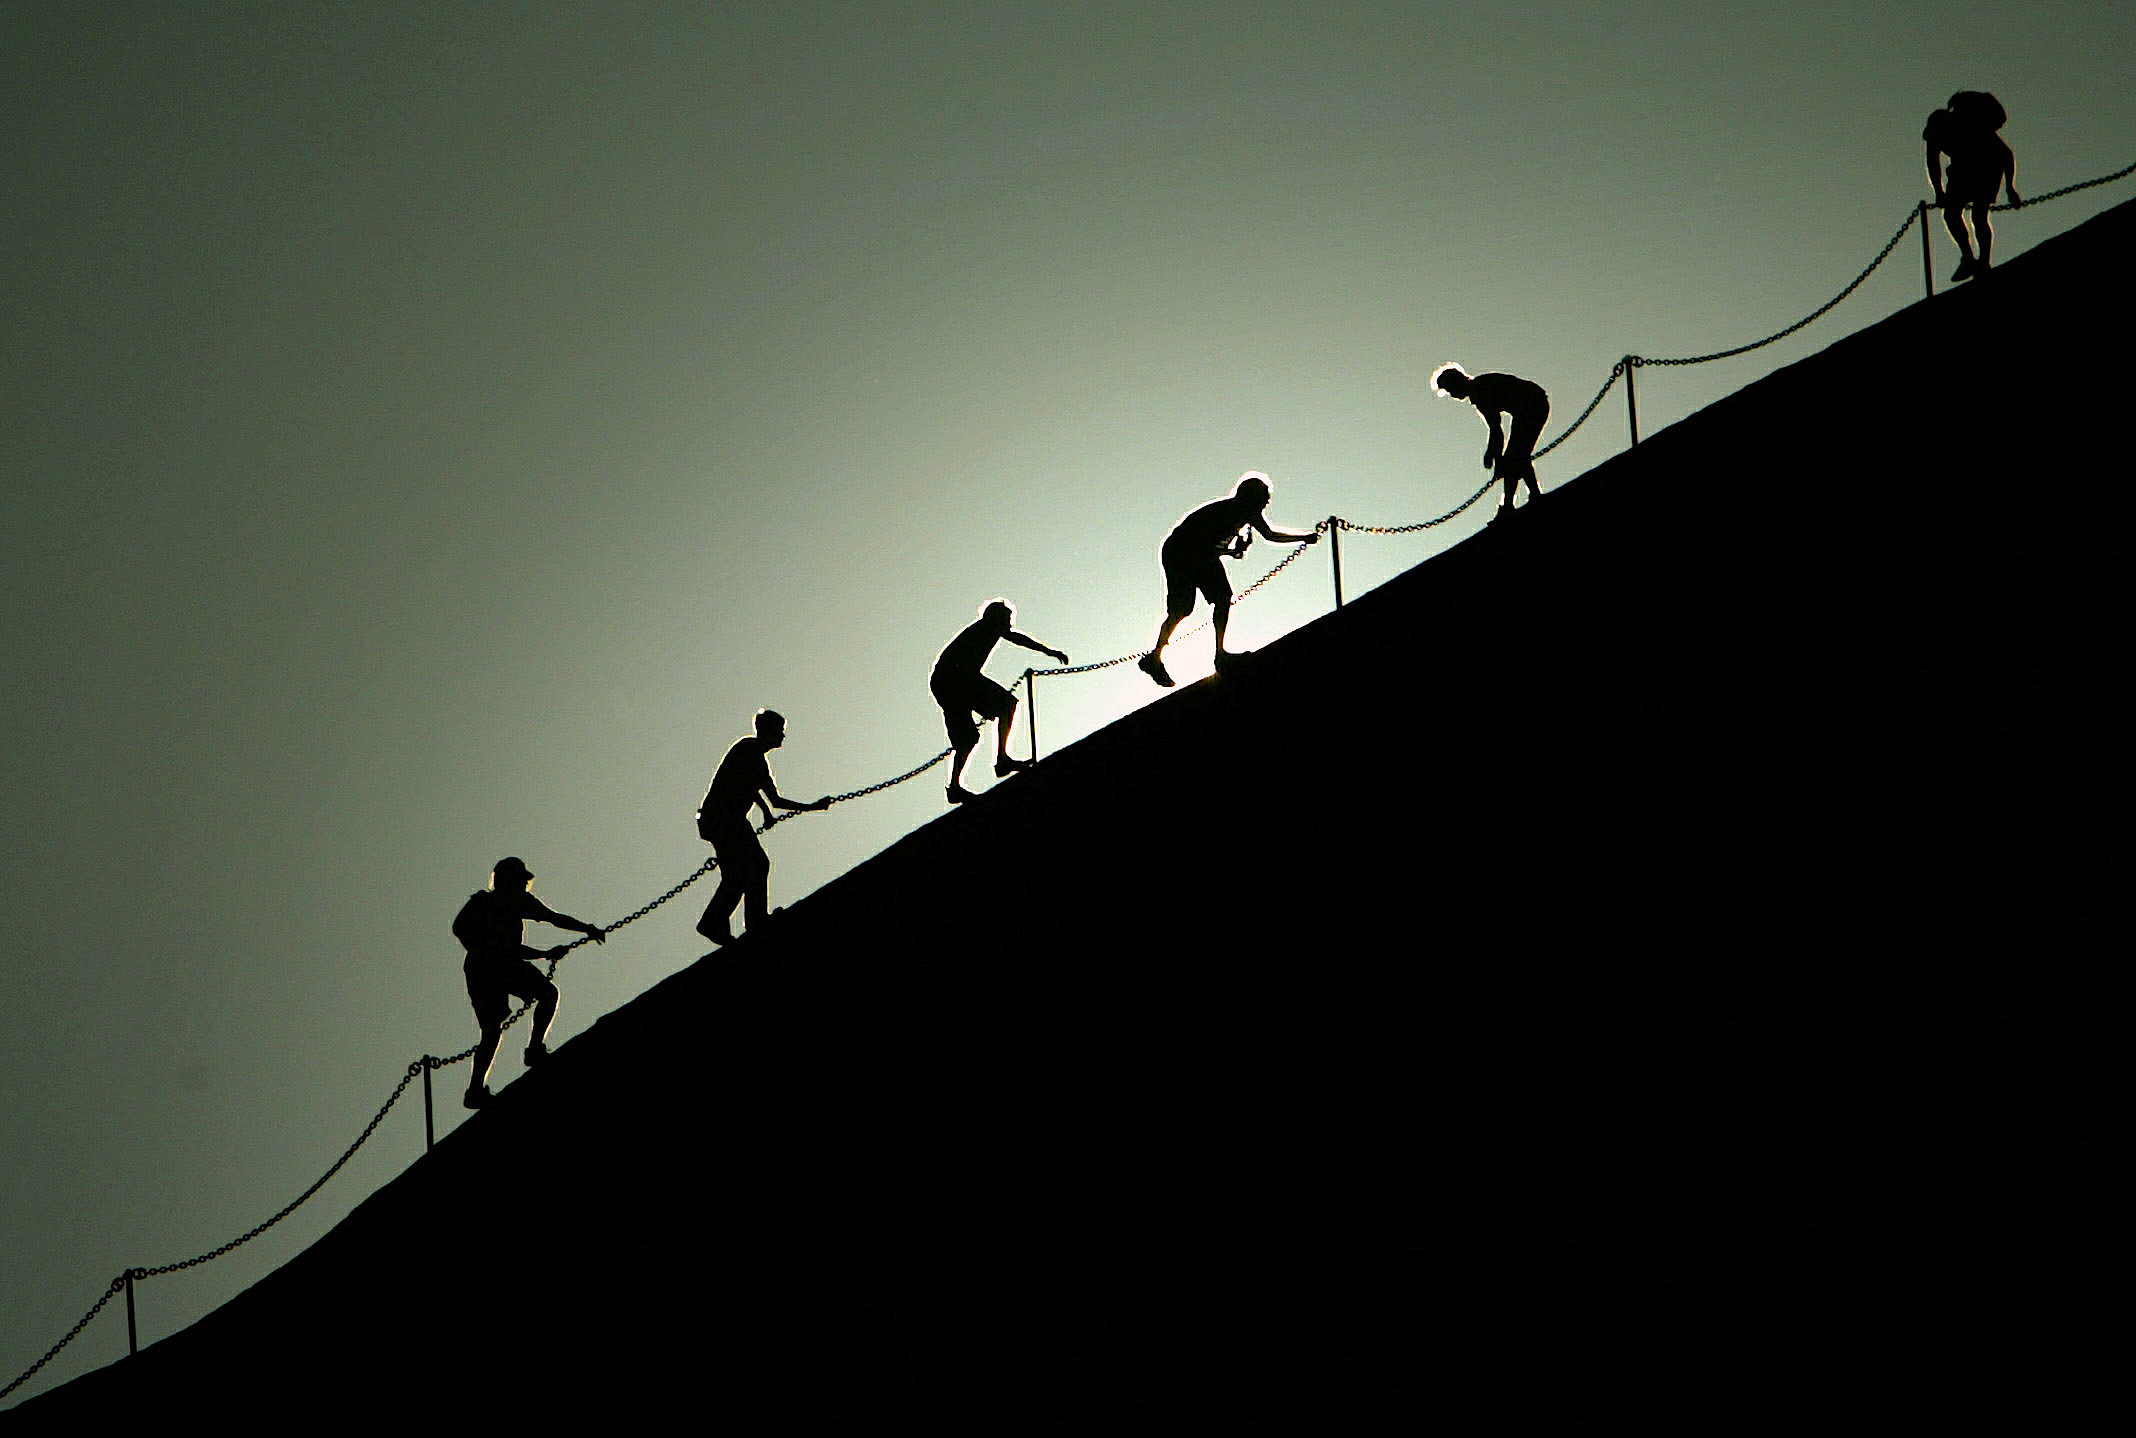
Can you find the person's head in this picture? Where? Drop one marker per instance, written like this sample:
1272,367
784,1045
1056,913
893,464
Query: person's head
998,613
1450,380
511,872
1253,488
771,727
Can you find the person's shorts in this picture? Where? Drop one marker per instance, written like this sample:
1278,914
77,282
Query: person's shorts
1962,188
1976,171
1187,575
494,980
964,695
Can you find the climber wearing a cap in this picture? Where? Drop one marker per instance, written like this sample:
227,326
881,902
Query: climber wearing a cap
500,967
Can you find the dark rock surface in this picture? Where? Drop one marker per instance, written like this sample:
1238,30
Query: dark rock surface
1636,962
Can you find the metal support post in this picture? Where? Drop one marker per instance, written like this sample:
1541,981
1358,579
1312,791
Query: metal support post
133,1337
1031,705
430,1127
1928,259
1631,397
1335,549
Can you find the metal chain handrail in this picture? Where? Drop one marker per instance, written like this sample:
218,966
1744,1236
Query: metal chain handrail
1810,318
53,1352
136,1274
428,1061
1086,668
1334,521
1616,372
913,773
295,1203
2121,173
1421,524
1277,568
1882,255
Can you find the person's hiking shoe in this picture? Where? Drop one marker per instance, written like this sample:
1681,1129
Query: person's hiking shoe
1003,768
720,935
958,794
537,1054
1151,665
477,1095
1967,268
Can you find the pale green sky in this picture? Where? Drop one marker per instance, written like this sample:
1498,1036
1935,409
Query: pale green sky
433,429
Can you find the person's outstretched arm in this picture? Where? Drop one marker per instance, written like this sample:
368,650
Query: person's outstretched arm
771,792
1284,536
564,921
1034,646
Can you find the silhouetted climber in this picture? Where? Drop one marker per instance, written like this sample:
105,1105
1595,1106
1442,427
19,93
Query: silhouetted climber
1981,164
499,966
962,691
1509,459
743,779
1194,554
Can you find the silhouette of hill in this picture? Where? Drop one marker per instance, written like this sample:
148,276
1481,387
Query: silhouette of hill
1632,962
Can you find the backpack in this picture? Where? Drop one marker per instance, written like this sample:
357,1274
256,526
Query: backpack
1979,109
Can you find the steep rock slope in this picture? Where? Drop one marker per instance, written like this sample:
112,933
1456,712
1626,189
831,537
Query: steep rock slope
1632,961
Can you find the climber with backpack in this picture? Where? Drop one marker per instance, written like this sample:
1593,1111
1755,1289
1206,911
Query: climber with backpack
1981,164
